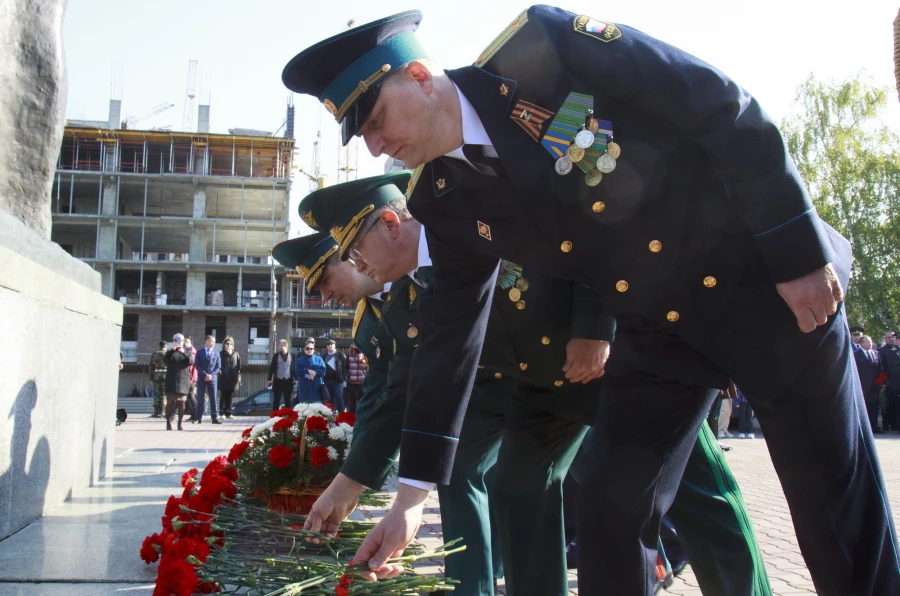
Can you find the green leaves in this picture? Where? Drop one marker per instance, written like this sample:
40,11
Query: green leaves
850,162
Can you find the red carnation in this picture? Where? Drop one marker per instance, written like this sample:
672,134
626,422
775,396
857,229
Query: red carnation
173,506
175,575
283,424
189,477
215,467
318,456
237,451
290,412
281,456
346,417
246,432
316,423
149,554
209,588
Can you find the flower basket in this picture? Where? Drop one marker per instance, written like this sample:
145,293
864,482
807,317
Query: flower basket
296,501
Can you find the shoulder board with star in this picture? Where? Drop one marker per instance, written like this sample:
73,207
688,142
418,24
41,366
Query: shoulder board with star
357,318
501,39
412,181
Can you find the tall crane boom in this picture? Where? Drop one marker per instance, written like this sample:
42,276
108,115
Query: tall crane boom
132,120
187,121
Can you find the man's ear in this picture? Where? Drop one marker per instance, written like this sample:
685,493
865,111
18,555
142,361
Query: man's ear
421,74
392,223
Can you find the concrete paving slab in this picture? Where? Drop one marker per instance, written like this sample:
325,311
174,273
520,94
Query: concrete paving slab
79,589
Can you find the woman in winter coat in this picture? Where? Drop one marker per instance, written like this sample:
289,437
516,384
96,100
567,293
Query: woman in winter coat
356,373
309,369
178,379
229,377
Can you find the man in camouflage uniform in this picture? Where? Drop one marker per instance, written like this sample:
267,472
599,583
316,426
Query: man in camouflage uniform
158,377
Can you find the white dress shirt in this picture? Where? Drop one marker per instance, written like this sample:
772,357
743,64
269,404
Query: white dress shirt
473,131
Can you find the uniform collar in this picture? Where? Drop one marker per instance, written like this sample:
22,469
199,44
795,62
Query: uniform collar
424,258
378,295
473,130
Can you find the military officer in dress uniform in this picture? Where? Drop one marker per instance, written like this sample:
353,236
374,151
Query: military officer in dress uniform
526,354
158,377
315,258
598,154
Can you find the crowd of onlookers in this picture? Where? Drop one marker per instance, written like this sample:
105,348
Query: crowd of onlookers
186,379
879,376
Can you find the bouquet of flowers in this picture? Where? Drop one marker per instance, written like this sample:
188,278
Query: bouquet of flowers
290,459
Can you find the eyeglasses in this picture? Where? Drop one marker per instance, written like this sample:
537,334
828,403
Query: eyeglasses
355,255
308,348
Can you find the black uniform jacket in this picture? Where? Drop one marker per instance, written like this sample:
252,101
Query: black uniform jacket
683,242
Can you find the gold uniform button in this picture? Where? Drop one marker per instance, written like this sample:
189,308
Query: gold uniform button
655,246
598,207
520,305
565,246
523,366
545,340
673,316
710,281
498,375
558,383
622,285
480,367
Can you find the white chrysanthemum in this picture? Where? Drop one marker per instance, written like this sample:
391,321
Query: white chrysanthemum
341,432
332,453
259,429
313,409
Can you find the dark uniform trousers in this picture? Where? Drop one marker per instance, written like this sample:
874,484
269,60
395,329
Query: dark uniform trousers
822,399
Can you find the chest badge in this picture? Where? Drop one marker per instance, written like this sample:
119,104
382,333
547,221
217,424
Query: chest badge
504,90
484,230
441,183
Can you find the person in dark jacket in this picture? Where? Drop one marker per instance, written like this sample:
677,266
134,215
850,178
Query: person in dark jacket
229,377
356,374
868,364
281,375
178,379
335,374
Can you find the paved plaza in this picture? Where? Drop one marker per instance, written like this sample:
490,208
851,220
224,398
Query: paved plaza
89,545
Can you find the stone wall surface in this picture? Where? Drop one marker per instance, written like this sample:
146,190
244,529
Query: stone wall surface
58,397
32,104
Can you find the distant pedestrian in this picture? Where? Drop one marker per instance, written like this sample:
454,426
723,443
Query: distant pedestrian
281,376
889,354
230,377
868,365
356,374
158,378
335,374
856,333
208,367
178,379
745,415
134,390
310,372
191,406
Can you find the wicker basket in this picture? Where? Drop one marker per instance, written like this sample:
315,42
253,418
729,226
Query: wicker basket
296,500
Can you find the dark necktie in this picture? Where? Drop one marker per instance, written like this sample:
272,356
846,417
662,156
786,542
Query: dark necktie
489,166
424,276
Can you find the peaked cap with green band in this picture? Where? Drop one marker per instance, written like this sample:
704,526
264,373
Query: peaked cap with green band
345,71
307,255
341,209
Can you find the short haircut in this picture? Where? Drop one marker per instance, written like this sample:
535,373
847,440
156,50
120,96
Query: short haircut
865,337
163,344
282,341
212,337
186,336
398,206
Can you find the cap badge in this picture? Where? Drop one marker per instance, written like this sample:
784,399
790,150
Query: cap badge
484,230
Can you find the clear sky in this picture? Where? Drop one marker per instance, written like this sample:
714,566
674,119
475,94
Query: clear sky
768,46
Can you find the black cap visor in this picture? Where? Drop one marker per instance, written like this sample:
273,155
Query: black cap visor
358,114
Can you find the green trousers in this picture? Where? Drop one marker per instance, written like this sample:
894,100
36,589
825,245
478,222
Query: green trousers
541,439
465,506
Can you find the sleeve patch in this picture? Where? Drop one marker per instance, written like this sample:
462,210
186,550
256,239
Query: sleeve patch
605,32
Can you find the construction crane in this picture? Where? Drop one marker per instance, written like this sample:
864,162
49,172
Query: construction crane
132,120
187,121
348,159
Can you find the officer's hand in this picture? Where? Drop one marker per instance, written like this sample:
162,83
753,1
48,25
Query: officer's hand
813,297
392,534
585,359
333,507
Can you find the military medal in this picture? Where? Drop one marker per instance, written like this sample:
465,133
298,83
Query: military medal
515,294
520,305
522,284
606,163
584,139
412,332
378,351
593,177
613,150
593,125
563,165
575,153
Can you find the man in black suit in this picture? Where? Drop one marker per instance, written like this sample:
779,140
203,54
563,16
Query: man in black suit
889,354
868,364
595,153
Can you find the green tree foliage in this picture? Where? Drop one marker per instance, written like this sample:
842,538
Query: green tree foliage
851,163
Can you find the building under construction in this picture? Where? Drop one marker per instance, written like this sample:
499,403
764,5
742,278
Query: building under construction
180,226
